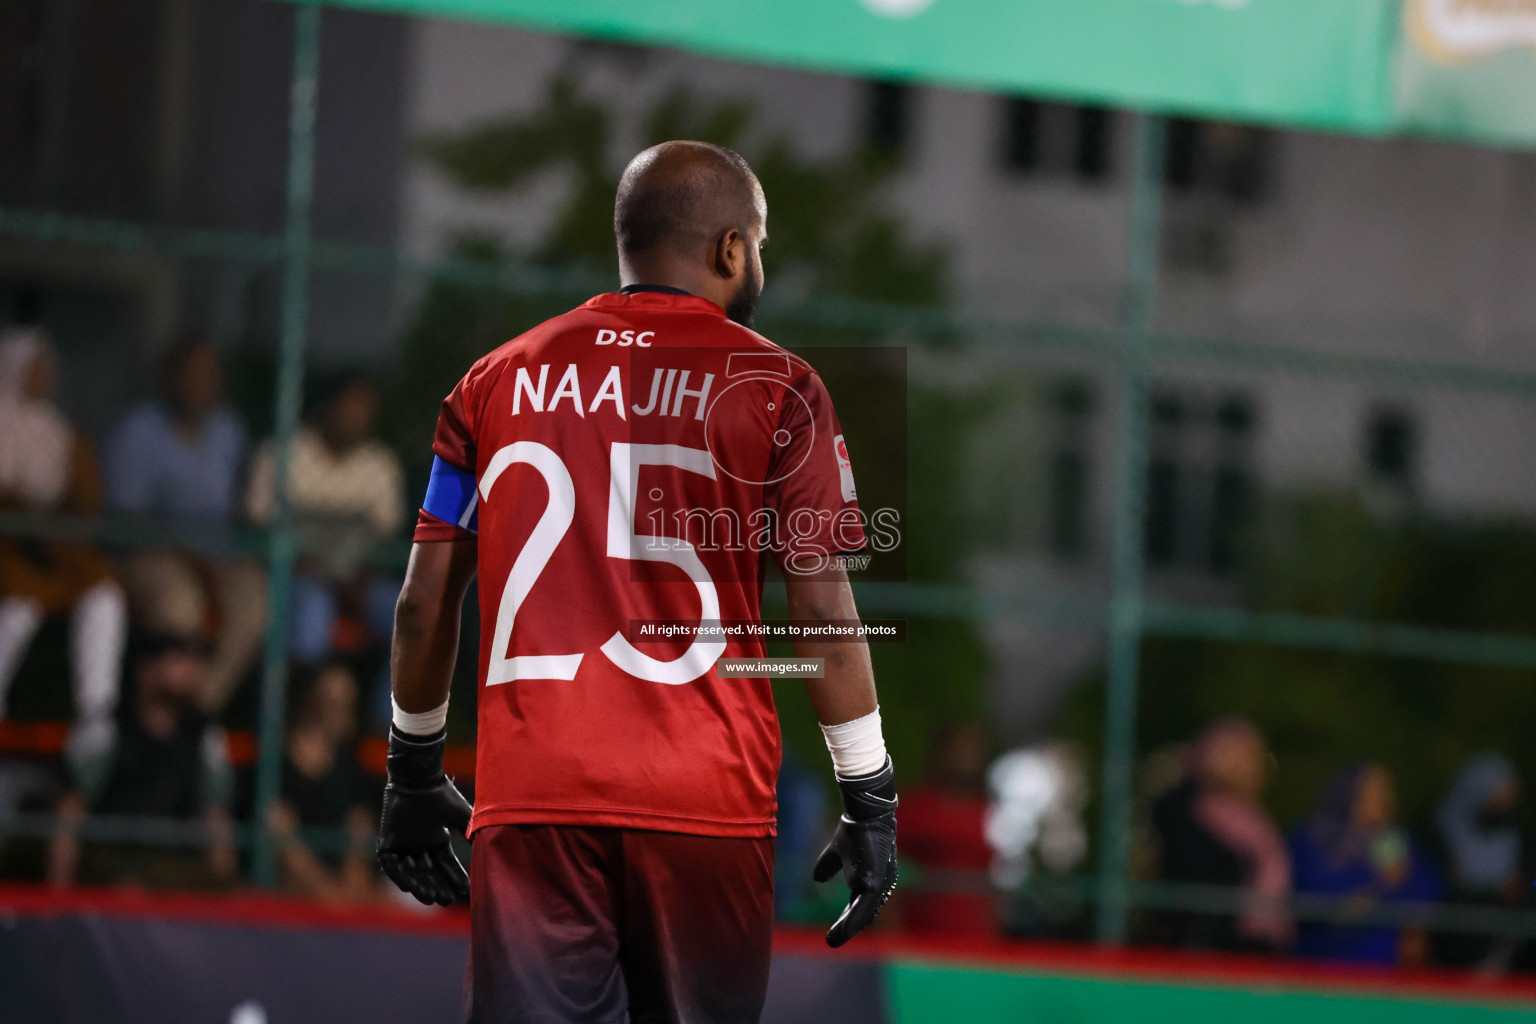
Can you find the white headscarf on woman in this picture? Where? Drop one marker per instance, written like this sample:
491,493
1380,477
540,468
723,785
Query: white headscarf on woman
35,439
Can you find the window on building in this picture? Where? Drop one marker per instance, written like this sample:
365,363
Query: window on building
1165,454
1021,134
1094,142
1391,448
1070,469
1232,484
1057,139
1229,161
887,117
1200,480
1213,171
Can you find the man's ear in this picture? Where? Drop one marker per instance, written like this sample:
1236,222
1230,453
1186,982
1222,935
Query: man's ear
730,254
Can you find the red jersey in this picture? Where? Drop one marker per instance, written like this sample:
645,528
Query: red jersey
635,460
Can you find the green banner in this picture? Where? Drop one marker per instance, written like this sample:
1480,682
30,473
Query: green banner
1468,70
1318,63
923,994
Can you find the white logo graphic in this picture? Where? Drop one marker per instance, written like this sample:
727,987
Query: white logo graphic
844,468
898,8
1464,29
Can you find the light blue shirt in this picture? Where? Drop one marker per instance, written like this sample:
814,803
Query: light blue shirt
152,469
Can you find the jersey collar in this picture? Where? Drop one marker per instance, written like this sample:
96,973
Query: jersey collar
665,289
646,297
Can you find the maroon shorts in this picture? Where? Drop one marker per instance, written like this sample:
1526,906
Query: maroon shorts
575,924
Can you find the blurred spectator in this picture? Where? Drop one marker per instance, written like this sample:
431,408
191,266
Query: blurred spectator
347,490
1035,828
943,832
1035,819
1212,829
803,821
46,467
323,788
179,457
166,763
1487,860
1353,848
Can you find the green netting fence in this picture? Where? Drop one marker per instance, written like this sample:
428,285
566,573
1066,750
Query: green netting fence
1126,365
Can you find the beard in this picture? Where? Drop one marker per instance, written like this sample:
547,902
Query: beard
741,308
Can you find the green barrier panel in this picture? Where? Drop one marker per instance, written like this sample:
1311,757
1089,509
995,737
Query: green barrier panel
1457,69
1324,63
928,994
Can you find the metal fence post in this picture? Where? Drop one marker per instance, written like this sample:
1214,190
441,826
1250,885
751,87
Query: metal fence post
1125,605
303,85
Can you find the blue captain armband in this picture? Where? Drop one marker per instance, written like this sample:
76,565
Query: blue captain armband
452,496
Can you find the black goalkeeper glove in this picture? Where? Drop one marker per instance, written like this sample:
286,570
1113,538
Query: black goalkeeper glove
420,807
864,847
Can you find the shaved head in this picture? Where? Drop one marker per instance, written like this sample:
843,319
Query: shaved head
681,193
692,215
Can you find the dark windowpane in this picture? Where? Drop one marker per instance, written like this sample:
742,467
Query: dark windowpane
1390,444
1228,160
1162,508
887,119
1181,158
1094,141
1162,515
1234,416
1230,503
1167,411
1232,486
1069,504
1070,468
1235,157
1021,135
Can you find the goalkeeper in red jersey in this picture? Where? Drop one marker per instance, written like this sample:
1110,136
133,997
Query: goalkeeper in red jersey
634,460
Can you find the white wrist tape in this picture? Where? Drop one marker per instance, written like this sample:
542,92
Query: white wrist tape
857,747
427,723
